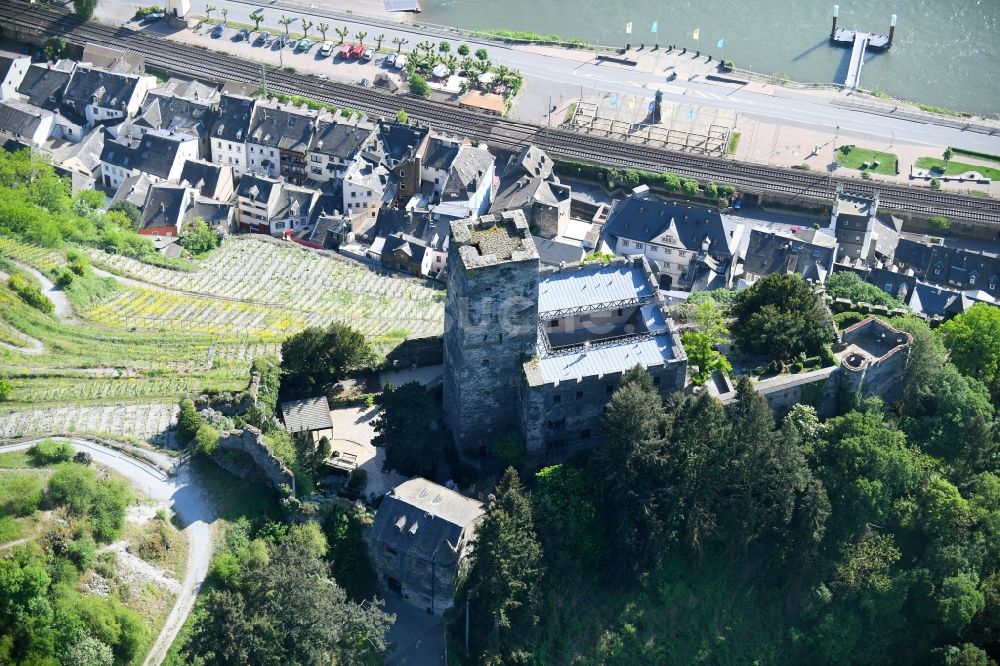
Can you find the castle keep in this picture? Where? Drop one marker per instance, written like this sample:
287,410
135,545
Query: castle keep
539,352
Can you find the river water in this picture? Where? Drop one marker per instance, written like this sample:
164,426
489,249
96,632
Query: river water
945,52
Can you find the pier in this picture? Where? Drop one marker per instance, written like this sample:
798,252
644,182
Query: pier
859,42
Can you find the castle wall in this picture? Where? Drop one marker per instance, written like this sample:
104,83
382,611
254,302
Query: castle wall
422,583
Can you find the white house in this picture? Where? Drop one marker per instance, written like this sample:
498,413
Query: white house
25,122
367,187
269,206
93,95
468,188
333,149
13,68
159,154
437,160
228,134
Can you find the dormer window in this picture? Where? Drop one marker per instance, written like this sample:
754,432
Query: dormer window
972,279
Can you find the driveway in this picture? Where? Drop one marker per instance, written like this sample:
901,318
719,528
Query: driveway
354,426
190,504
415,638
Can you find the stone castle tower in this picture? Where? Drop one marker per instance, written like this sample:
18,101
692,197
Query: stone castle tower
490,326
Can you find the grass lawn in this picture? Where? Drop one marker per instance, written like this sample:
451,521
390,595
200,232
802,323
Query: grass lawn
853,157
954,168
734,141
16,459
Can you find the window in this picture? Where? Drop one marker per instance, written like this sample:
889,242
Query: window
639,246
585,434
485,362
402,174
656,380
625,242
618,312
972,279
315,158
609,389
579,395
888,287
554,323
556,399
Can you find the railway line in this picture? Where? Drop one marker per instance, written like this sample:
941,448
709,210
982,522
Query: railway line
196,62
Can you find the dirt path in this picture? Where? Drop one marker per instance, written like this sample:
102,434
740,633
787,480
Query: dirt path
177,486
63,307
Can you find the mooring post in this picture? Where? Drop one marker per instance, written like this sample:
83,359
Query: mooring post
833,29
892,28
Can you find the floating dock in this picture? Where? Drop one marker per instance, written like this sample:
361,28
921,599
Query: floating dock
859,42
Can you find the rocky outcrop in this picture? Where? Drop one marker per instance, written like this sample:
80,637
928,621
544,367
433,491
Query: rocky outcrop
231,404
246,454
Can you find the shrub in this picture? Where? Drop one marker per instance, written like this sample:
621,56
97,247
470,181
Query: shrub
6,390
188,421
690,187
418,86
402,117
21,495
935,184
711,191
510,451
939,222
83,458
206,439
73,486
107,512
82,552
29,293
50,452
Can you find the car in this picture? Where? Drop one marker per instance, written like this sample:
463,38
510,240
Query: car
278,43
218,30
326,49
152,17
368,55
292,43
303,45
390,59
261,39
400,62
363,83
243,35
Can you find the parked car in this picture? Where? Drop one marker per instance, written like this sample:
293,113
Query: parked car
368,55
242,35
261,39
400,62
303,45
326,49
152,17
363,83
345,50
390,59
218,30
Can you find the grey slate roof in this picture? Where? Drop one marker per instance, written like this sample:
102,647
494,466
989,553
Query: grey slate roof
425,520
769,253
554,252
294,201
412,247
134,189
232,121
110,90
306,415
114,60
955,267
21,119
282,129
163,206
256,188
467,171
87,151
201,175
195,91
174,113
43,86
154,153
530,161
396,140
419,227
893,283
644,218
340,140
935,301
440,153
212,211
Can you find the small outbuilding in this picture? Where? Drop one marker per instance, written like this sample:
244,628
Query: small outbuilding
311,415
421,533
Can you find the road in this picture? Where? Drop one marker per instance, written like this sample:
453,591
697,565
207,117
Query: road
545,71
190,504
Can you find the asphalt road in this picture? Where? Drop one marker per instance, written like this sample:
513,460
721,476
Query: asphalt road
566,75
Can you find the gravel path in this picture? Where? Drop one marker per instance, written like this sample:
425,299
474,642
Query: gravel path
181,492
63,307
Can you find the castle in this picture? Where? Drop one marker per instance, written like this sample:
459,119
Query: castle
538,352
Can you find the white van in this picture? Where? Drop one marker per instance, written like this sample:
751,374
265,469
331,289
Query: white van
400,62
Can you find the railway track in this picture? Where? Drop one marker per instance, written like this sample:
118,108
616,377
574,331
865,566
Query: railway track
200,63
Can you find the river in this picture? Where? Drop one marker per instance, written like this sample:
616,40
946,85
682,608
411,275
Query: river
945,52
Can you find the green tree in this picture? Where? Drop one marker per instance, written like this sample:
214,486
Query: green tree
973,338
257,17
444,47
948,154
959,600
188,421
130,210
85,8
360,36
88,651
225,15
74,486
208,11
505,577
206,439
288,610
482,55
306,26
378,41
463,50
628,474
315,356
404,429
781,316
342,33
846,284
323,29
418,86
566,522
939,222
51,452
402,117
701,344
6,390
198,238
399,42
55,48
286,21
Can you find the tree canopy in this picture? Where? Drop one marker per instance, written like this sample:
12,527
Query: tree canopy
847,284
781,316
405,429
973,338
315,356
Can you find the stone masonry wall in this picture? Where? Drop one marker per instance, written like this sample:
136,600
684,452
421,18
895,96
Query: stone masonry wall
422,584
250,441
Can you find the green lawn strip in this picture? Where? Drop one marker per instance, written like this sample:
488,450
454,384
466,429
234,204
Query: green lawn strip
852,157
11,529
734,142
954,168
16,459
